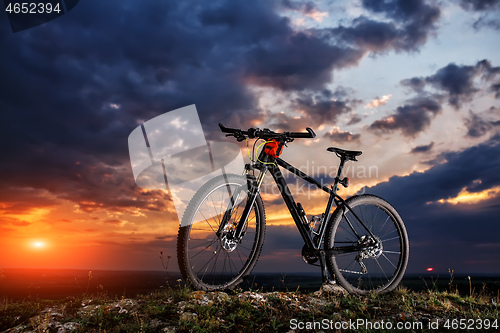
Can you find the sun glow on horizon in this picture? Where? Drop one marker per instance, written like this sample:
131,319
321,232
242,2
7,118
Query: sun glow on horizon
38,244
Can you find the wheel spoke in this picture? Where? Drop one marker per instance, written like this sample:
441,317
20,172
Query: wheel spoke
223,267
386,240
385,261
392,252
388,260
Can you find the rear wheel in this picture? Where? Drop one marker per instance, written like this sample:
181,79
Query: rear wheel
379,261
212,262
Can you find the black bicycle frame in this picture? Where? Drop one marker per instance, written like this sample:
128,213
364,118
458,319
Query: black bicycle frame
268,163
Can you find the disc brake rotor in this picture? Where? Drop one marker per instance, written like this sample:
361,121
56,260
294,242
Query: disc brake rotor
226,241
373,247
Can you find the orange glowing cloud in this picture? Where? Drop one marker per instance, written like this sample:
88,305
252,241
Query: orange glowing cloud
466,197
378,102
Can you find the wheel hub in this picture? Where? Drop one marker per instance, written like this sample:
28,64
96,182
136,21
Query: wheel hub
227,241
228,244
373,249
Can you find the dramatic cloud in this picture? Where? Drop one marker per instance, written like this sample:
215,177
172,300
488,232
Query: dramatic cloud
378,102
485,22
434,226
480,4
323,108
354,120
71,95
477,126
422,149
315,109
308,9
456,81
72,90
410,23
496,89
410,118
338,136
447,179
489,10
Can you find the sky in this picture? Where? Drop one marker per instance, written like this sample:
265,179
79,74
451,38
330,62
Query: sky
414,84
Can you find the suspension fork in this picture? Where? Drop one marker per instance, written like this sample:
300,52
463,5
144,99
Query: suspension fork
253,189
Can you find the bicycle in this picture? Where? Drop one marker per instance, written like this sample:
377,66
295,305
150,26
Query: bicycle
363,243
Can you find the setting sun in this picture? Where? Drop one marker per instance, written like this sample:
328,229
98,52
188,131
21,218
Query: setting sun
38,244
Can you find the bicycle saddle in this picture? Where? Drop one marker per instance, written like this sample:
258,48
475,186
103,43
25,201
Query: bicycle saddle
347,154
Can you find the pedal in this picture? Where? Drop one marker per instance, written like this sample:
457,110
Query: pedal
308,255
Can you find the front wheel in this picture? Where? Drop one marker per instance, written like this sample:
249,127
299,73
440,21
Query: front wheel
209,257
362,262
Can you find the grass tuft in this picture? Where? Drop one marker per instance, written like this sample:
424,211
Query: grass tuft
181,309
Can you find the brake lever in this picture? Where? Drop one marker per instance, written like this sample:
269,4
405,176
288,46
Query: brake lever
239,137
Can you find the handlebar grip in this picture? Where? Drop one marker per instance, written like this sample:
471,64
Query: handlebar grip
310,134
226,129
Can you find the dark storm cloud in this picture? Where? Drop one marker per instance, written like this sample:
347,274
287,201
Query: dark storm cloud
457,81
316,108
339,136
476,168
262,53
453,82
310,67
354,120
411,22
477,126
19,201
322,107
486,22
496,89
411,118
73,89
480,4
415,83
436,228
304,7
489,10
423,148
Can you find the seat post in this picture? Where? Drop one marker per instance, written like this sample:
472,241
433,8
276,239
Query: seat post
339,172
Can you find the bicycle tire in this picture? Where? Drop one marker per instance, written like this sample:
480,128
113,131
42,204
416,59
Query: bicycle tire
385,264
207,272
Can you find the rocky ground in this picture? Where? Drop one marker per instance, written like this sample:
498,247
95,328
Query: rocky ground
184,310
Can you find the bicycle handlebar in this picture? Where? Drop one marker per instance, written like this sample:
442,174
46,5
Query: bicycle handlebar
265,134
310,134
